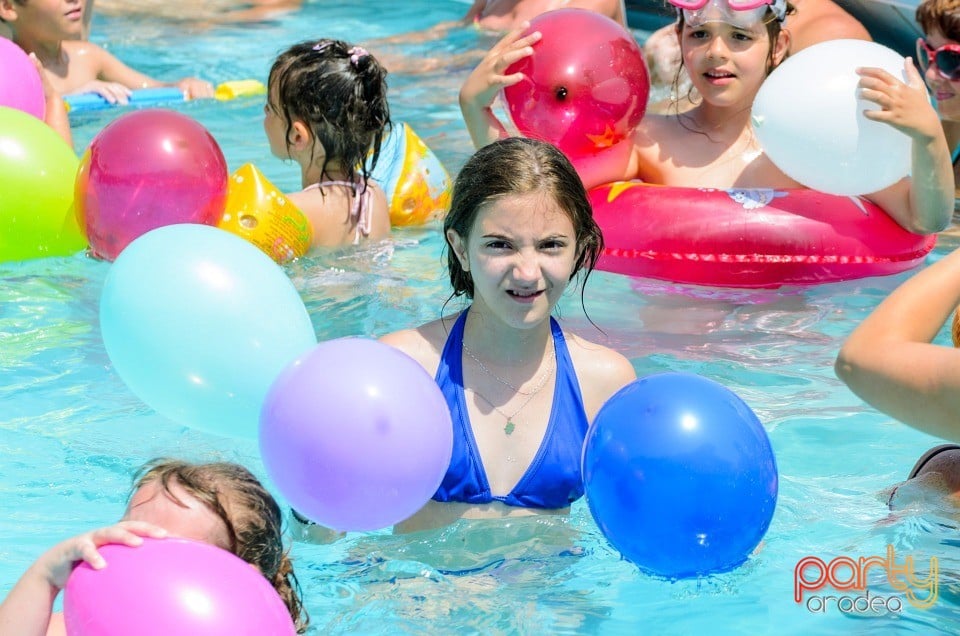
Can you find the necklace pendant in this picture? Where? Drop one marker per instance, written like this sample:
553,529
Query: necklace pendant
508,429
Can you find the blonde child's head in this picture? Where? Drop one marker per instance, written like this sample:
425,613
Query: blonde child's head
250,514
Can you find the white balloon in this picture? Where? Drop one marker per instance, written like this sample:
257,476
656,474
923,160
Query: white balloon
808,116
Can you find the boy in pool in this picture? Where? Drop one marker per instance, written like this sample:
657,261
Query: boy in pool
218,503
730,51
50,29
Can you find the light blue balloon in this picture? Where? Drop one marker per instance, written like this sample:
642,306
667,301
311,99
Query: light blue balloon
199,323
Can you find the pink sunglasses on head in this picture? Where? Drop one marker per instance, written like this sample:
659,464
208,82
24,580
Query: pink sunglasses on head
736,5
694,10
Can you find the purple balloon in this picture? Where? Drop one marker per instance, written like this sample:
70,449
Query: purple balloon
20,84
172,586
356,435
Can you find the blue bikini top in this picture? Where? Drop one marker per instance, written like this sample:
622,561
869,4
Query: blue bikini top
553,479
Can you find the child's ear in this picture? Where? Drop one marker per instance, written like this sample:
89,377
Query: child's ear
459,249
300,138
781,47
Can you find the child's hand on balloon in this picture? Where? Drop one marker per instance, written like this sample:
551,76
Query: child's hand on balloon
487,79
58,562
905,106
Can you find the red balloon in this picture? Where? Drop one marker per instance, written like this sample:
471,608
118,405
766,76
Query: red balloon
587,83
147,169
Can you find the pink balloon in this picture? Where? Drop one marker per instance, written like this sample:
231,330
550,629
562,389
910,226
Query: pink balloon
356,435
586,83
145,170
172,586
20,85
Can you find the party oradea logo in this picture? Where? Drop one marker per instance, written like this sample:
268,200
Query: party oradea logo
814,579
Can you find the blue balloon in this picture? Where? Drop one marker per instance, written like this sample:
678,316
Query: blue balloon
679,475
199,323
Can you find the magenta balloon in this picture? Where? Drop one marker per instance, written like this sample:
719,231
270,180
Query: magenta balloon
172,586
20,85
145,170
356,435
587,83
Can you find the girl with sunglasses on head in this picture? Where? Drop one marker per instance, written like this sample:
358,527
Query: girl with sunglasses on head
729,48
938,55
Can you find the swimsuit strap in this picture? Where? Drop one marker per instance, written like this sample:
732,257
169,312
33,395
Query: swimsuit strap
360,210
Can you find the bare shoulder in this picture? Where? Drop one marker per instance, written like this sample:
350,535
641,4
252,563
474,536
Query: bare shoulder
609,8
601,371
85,48
424,343
821,20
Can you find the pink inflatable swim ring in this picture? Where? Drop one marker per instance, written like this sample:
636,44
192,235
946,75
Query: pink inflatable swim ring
748,238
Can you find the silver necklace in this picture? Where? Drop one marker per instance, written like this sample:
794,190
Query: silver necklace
509,427
483,367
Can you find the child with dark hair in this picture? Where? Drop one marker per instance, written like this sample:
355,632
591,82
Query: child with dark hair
219,503
327,110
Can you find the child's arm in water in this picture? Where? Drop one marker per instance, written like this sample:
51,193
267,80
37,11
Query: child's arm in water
889,360
55,114
115,81
922,203
28,607
485,81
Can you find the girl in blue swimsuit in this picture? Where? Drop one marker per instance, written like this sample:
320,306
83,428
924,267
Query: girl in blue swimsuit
521,391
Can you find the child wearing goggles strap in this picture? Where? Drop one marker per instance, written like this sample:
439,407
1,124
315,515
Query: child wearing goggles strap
814,21
729,53
938,55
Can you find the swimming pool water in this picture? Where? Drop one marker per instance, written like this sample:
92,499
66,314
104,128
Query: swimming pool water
71,433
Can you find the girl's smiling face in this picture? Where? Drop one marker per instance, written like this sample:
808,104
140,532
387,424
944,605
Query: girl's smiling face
727,63
945,92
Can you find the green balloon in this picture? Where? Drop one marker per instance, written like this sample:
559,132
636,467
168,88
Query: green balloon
37,171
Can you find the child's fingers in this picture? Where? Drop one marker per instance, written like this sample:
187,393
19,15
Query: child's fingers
914,77
143,529
510,57
877,74
878,97
89,554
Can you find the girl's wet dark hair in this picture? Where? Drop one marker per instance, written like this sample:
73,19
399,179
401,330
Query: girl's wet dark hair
517,166
340,92
250,513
